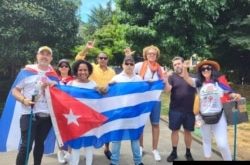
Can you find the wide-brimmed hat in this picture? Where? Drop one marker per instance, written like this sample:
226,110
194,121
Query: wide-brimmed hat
214,64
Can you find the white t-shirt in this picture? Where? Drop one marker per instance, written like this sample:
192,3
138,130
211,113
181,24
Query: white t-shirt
32,86
210,97
149,75
123,77
89,85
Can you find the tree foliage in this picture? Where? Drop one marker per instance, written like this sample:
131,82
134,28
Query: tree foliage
26,25
181,27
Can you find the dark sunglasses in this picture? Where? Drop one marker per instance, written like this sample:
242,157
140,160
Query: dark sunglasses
64,66
103,58
208,68
131,64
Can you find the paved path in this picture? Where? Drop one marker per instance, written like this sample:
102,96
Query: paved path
126,154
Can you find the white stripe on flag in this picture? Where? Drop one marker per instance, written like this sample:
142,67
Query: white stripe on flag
15,133
119,124
107,104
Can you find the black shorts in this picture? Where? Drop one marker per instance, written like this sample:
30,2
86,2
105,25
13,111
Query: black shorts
176,119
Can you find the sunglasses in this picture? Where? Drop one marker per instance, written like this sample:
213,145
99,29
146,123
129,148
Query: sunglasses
103,58
131,64
208,68
64,66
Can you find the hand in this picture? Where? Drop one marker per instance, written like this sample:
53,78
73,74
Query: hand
187,63
128,52
166,75
235,96
90,44
102,90
27,102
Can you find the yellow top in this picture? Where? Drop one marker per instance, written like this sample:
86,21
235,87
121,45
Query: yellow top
102,77
82,54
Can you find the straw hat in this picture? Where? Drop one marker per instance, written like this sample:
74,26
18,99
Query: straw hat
214,64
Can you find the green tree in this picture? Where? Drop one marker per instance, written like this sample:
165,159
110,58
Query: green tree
232,42
26,25
182,27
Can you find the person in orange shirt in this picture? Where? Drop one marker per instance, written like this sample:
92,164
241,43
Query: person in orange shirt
102,75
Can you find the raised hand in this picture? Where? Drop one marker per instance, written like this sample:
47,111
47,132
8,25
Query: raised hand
90,44
128,52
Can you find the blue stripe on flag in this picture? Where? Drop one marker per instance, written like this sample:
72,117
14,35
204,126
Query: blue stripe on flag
127,134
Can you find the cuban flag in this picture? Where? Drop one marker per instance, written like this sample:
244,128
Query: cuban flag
223,83
10,134
83,117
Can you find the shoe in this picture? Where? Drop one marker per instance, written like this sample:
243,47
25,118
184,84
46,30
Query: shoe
157,155
67,157
171,157
141,164
189,157
60,156
108,154
141,151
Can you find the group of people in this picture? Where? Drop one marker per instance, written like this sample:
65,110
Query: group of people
181,85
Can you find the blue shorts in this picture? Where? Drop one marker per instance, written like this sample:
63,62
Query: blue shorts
176,119
155,114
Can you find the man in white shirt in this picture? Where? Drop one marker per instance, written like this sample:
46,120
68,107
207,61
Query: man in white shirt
30,91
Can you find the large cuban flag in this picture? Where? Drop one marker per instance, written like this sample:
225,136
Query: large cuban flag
120,114
10,134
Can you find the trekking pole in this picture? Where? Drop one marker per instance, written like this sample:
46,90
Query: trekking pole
235,121
29,131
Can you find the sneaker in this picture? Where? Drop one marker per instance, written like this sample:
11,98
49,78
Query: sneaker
108,154
189,157
67,157
60,156
141,151
157,155
141,163
172,157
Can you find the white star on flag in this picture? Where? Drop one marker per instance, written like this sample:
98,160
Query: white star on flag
71,118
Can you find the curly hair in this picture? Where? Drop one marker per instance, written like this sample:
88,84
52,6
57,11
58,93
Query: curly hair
146,49
76,65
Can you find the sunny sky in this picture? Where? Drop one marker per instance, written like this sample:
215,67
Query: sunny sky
87,5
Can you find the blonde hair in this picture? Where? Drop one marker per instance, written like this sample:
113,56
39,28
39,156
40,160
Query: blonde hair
146,49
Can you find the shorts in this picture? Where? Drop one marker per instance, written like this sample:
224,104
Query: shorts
177,118
155,114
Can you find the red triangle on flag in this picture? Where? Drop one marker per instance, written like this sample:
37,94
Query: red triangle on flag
73,117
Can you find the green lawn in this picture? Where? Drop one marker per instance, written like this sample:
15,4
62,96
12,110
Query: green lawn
165,104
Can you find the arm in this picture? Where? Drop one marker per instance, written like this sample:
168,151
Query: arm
16,92
166,75
187,78
82,54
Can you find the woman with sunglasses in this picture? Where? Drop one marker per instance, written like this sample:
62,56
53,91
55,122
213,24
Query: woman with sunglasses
64,73
150,70
211,90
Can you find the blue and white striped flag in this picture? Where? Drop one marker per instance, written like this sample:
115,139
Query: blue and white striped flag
126,106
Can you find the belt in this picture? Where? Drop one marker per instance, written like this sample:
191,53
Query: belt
41,114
